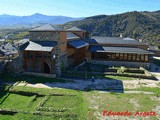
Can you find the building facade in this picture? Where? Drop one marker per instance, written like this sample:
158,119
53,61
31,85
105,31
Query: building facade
50,50
46,50
119,51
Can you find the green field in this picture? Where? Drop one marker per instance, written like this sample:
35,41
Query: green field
63,104
28,103
115,76
32,103
121,102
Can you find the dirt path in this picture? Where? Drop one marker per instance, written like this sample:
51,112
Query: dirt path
134,91
133,84
38,85
100,84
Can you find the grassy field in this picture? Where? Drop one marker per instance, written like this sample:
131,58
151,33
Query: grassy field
33,103
117,76
120,102
155,90
28,103
64,104
21,102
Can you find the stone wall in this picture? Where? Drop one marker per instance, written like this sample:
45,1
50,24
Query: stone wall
14,66
121,63
40,74
44,36
61,54
2,65
60,51
61,64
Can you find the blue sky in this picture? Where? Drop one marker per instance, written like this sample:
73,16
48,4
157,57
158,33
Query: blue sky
76,8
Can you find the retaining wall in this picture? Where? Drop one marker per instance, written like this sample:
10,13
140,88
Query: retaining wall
122,63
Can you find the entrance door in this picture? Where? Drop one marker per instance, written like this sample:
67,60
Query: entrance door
46,68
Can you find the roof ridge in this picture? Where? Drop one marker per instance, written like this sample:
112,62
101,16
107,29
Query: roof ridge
47,27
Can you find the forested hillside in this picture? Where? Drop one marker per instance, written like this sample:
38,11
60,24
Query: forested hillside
138,25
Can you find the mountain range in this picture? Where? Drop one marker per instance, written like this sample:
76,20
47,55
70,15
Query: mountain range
139,25
34,19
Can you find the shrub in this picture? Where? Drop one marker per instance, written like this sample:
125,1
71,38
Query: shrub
121,69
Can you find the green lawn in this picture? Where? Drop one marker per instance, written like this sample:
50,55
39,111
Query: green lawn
20,116
58,102
41,91
65,104
20,102
120,102
82,75
119,77
35,103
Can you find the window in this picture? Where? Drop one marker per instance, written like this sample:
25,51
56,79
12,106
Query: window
125,56
113,55
129,56
99,55
109,55
146,57
121,56
134,57
142,57
138,57
117,56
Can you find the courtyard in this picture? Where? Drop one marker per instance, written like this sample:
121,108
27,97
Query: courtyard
56,100
75,96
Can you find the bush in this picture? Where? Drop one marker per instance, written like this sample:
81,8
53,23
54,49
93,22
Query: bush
121,69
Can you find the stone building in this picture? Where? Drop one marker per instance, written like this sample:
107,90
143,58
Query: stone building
8,50
46,50
51,49
2,41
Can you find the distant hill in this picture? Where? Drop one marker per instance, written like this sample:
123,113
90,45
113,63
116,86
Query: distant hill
138,25
8,20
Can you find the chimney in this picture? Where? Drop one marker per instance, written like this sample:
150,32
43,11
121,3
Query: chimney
121,35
